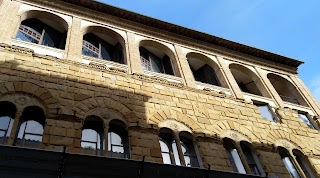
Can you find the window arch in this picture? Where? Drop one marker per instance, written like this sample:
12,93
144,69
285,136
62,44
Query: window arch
7,115
205,70
303,163
118,144
289,163
247,80
31,127
103,43
287,91
92,139
157,58
252,159
234,156
43,28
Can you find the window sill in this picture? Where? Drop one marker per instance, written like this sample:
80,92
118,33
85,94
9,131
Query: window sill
298,107
216,88
39,49
167,77
109,64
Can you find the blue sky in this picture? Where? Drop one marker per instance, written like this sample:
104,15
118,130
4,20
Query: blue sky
289,28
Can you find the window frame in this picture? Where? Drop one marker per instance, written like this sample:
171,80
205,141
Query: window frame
8,130
270,109
308,117
121,131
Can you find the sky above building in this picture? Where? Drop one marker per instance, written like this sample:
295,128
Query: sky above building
288,28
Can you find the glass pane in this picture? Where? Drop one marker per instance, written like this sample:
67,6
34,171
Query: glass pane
4,122
88,145
10,128
156,64
306,120
166,158
184,148
33,138
175,153
47,40
34,127
89,49
105,52
237,161
115,139
164,147
117,149
290,167
2,133
21,130
89,135
265,113
187,159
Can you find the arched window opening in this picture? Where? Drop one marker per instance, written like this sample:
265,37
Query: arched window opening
7,114
203,72
287,91
234,157
153,59
118,145
288,162
99,45
247,81
92,139
252,159
305,118
42,31
169,149
304,164
188,150
31,127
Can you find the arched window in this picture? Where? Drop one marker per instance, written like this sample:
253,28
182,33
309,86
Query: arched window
202,69
247,80
30,127
304,164
92,140
42,31
102,46
287,91
234,157
188,150
251,159
7,113
118,145
288,162
169,149
155,57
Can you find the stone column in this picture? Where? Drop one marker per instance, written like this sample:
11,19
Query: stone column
10,20
106,141
73,50
272,91
15,128
186,72
230,79
310,99
133,54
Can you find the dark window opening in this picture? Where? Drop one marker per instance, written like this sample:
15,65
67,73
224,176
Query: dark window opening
7,114
169,149
287,160
31,127
234,156
96,47
92,139
35,31
265,112
118,144
252,159
151,62
303,163
205,74
189,153
306,120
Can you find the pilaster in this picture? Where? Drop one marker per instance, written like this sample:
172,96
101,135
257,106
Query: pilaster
73,49
133,54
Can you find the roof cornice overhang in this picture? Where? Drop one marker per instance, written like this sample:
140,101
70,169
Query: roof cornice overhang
190,33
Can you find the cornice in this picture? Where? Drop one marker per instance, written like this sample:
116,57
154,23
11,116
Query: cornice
184,37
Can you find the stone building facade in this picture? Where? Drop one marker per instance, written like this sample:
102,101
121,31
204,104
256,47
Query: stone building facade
104,81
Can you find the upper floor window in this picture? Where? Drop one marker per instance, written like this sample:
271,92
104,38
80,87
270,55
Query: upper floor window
37,31
288,162
304,117
169,149
118,145
266,112
92,140
155,60
201,70
234,157
188,150
31,127
7,113
102,46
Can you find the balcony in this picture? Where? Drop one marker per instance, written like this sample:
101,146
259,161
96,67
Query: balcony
18,162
